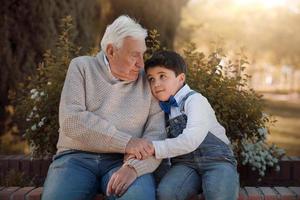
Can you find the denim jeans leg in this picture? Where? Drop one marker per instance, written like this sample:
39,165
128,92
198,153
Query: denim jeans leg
70,177
180,183
220,181
142,188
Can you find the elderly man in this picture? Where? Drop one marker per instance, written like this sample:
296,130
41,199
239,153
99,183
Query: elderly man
106,106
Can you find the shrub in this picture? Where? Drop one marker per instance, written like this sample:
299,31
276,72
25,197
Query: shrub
238,108
37,100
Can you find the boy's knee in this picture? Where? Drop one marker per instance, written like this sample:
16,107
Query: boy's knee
165,191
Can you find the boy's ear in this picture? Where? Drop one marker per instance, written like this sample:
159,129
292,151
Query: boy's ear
181,77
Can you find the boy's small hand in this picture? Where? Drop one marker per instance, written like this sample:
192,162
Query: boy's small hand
140,148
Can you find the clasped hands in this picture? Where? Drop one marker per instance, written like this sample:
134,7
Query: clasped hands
139,148
119,182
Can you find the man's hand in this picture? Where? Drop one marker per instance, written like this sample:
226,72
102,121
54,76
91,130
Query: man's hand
128,157
121,180
139,147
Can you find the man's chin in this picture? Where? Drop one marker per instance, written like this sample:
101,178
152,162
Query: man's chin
131,78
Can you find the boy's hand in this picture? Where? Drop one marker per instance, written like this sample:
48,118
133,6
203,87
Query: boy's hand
140,148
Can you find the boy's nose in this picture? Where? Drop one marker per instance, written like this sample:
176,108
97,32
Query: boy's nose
156,84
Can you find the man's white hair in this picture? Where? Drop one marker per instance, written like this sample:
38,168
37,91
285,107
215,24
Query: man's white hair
122,27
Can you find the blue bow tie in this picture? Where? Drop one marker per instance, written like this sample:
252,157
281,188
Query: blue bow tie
166,105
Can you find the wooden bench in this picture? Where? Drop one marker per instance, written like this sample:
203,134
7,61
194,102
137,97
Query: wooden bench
246,193
289,175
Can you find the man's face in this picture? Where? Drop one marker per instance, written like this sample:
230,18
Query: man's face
127,61
164,82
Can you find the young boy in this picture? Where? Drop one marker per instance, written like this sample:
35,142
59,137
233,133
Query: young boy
197,143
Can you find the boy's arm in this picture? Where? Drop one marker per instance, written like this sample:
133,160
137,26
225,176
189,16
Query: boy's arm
199,118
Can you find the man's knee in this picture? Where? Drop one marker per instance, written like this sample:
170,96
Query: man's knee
142,188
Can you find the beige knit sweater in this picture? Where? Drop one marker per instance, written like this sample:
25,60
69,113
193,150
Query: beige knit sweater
100,114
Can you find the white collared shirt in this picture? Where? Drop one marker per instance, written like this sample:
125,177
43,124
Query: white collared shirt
108,67
201,119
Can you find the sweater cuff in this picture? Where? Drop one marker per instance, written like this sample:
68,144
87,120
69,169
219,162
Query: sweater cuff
119,141
161,150
142,166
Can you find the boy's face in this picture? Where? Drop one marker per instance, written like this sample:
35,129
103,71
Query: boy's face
163,82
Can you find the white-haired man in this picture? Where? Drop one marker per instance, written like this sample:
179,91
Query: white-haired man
106,106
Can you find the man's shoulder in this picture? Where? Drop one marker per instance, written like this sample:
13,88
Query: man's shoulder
144,82
83,59
85,62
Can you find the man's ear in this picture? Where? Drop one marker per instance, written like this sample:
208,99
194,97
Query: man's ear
110,51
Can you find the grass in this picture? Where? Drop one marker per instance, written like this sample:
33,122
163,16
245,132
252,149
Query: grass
286,131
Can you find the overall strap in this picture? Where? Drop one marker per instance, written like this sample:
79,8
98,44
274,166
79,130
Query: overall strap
181,106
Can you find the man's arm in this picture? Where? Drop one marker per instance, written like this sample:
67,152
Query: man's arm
154,130
133,168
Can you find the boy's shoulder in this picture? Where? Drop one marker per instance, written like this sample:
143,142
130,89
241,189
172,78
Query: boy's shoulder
195,97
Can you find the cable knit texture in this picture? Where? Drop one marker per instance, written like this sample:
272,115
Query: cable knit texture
98,113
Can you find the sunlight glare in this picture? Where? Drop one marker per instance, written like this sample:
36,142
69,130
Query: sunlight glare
264,3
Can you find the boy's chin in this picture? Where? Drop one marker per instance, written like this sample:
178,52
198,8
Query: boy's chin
163,98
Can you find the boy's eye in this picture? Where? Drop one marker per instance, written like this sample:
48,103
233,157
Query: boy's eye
150,79
162,76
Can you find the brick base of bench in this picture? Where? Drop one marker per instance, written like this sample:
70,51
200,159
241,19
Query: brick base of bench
246,193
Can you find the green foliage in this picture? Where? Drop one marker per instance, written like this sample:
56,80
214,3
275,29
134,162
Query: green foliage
238,108
38,98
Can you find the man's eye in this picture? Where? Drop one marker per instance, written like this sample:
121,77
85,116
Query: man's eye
135,55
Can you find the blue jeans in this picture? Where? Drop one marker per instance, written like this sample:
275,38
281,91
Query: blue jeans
218,181
75,175
211,167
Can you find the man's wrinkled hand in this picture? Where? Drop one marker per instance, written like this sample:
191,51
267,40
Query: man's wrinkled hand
121,180
141,148
128,157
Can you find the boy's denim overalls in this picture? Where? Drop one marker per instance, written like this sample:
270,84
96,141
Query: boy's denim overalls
212,165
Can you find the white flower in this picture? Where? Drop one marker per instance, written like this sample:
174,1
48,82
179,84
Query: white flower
42,94
41,123
33,91
34,108
33,96
33,128
49,83
30,115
